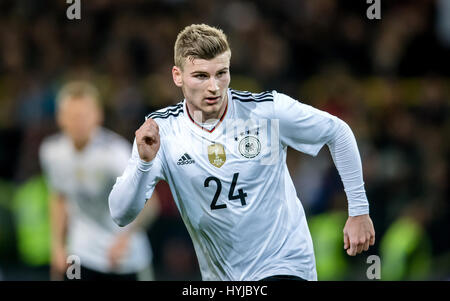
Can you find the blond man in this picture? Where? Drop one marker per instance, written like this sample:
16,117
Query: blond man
81,163
223,153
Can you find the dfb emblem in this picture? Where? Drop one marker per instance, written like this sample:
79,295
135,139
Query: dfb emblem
249,146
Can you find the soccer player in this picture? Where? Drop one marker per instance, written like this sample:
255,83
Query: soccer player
81,164
223,153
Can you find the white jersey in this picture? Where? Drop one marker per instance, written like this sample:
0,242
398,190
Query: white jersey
85,179
232,186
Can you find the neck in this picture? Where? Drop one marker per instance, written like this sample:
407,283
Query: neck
201,117
80,145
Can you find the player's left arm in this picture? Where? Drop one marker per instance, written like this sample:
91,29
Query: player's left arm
359,232
307,129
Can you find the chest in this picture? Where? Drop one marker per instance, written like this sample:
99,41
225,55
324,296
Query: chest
229,166
86,171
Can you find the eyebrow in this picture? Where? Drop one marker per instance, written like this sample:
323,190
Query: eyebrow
199,72
204,72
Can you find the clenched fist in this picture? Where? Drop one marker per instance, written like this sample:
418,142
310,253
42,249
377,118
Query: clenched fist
359,234
147,140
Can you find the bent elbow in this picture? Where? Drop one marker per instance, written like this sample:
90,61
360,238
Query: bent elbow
119,219
117,215
119,222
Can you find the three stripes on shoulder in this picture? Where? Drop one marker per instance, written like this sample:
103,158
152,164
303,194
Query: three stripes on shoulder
174,110
246,96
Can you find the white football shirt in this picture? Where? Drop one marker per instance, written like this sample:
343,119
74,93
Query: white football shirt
85,179
232,186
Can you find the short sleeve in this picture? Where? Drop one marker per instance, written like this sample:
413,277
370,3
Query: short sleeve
50,171
121,155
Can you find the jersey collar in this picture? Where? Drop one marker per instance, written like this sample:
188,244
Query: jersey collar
201,130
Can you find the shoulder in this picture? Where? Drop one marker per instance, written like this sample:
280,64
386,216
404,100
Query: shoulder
52,147
165,117
168,117
52,142
169,112
253,105
249,97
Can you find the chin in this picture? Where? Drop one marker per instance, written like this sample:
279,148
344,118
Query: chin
211,108
216,107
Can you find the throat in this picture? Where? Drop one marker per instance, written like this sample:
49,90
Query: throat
207,122
80,145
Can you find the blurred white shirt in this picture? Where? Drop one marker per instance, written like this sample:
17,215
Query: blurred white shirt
85,179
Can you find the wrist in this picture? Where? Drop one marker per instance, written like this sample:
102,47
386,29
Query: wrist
144,165
358,210
358,216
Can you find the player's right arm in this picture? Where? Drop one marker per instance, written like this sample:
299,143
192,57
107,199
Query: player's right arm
148,140
144,170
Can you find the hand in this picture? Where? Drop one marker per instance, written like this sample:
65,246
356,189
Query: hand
148,140
358,234
58,264
118,249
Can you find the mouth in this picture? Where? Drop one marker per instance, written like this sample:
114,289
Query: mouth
212,100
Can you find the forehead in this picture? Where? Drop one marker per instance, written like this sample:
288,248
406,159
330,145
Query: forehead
219,62
73,103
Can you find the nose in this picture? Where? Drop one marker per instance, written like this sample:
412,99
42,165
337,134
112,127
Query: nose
213,86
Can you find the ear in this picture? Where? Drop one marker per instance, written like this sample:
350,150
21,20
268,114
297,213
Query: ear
177,76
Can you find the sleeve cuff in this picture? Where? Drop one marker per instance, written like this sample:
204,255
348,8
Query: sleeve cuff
360,210
144,166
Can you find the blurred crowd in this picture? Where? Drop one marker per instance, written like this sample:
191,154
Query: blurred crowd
389,79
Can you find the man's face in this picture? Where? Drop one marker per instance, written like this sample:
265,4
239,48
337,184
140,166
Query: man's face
78,118
204,84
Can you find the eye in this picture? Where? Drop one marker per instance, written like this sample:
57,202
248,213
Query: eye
200,76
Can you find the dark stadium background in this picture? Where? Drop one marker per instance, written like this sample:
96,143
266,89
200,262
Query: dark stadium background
388,79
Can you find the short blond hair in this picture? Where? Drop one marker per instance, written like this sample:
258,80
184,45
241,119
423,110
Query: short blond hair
199,41
78,89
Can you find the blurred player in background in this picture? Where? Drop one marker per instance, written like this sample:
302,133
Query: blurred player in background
81,164
237,202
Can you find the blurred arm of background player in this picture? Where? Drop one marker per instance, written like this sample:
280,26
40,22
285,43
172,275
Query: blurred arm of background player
58,224
145,218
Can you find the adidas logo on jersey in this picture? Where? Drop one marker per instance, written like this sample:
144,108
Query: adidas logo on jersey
185,159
